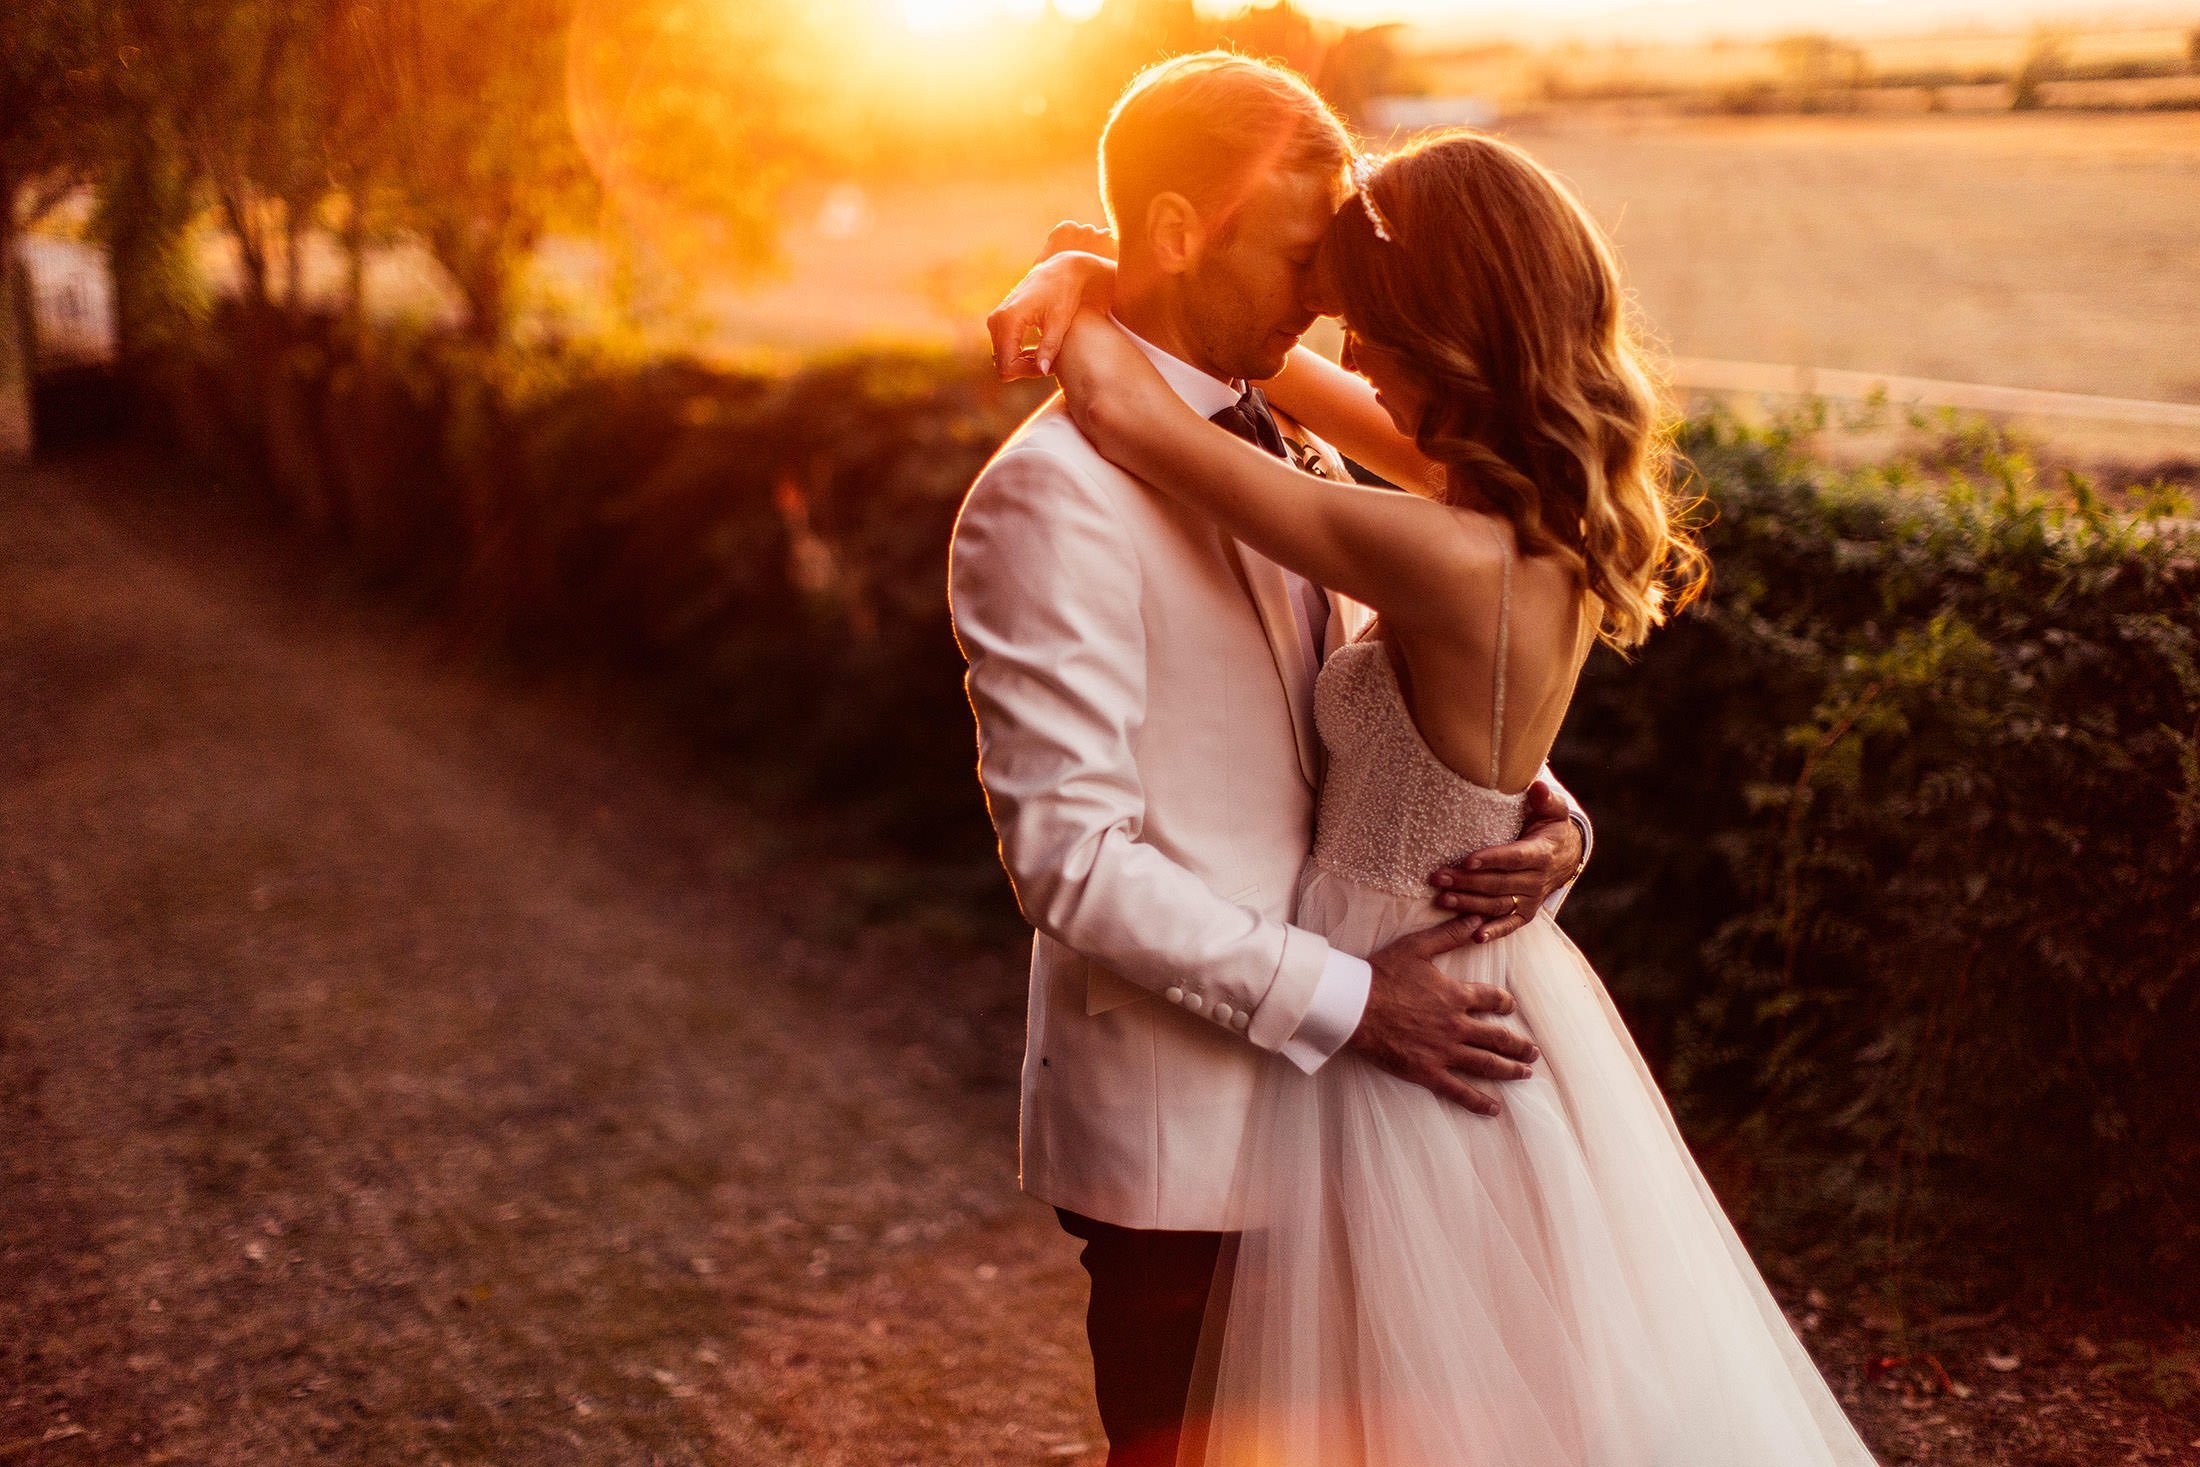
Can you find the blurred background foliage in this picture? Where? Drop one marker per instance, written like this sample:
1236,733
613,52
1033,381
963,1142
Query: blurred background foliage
1897,835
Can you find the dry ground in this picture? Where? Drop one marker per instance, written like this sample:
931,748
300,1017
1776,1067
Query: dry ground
407,1060
403,1065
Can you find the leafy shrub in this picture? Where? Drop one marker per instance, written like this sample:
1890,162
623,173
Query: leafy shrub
766,549
1900,854
1897,836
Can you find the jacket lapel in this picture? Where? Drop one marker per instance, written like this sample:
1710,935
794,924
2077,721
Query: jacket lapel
1279,618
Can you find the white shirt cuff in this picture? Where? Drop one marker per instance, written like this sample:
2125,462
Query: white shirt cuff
1340,998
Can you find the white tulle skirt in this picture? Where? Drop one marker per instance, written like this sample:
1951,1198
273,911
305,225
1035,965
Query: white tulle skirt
1555,1286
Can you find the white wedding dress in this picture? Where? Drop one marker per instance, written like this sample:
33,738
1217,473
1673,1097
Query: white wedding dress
1418,1285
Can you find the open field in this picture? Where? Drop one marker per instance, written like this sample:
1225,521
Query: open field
2038,251
2041,252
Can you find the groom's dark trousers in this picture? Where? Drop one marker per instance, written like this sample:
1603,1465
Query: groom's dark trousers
1149,1298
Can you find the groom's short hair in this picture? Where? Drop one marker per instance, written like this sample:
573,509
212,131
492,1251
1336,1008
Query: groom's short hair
1208,126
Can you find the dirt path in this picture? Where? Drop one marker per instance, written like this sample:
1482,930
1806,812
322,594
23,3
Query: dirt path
403,1062
401,1065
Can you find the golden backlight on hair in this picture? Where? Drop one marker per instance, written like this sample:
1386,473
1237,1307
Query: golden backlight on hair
1208,126
1503,293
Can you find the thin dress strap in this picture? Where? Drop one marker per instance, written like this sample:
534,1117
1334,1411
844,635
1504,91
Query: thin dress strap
1504,632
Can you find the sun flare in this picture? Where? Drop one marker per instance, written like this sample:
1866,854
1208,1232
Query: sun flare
942,15
932,16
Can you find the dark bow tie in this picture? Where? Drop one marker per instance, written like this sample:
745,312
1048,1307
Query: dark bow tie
1250,419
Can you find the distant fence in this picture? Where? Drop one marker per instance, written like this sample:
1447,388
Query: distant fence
1764,378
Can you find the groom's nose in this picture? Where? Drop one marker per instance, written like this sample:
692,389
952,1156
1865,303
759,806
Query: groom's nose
1316,298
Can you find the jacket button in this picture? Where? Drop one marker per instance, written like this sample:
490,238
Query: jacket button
1174,995
1195,1003
1222,1013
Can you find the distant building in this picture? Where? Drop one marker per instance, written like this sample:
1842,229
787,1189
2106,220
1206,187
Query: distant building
72,300
1395,116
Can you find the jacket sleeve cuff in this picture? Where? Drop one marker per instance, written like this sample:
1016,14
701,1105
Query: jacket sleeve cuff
1557,898
1340,998
1580,817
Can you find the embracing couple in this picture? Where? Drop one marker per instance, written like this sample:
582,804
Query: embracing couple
1367,1169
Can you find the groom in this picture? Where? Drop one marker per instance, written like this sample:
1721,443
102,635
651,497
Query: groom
1143,687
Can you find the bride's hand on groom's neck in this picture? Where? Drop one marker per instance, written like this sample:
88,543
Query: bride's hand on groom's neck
1087,238
1043,305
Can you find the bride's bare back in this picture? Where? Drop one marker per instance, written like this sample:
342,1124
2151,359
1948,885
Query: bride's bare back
1494,726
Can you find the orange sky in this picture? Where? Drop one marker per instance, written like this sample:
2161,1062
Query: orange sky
1676,20
1686,19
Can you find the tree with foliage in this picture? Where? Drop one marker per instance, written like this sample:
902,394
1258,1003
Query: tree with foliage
2046,60
151,59
477,141
350,72
251,127
694,116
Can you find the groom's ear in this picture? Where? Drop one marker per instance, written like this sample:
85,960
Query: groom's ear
1174,232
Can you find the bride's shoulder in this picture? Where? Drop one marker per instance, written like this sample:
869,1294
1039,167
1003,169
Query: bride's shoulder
1479,542
1490,542
1478,558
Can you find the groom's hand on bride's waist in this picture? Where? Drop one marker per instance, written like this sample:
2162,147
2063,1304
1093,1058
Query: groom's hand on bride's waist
1424,1026
1506,885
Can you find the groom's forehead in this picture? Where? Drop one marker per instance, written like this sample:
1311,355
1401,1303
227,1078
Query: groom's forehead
1295,206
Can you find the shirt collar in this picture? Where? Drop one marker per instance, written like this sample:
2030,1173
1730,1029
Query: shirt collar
1205,395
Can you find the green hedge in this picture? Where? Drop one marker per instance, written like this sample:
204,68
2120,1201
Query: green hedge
767,550
1900,857
1899,835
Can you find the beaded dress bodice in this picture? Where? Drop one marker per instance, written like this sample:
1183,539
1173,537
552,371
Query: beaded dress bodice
1391,811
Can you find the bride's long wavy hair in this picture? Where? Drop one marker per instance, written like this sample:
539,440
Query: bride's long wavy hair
1498,288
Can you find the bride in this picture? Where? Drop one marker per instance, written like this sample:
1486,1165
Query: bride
1418,1284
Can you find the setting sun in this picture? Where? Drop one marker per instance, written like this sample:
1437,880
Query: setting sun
953,15
940,15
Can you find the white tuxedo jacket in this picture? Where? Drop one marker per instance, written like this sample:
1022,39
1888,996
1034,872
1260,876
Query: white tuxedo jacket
1144,702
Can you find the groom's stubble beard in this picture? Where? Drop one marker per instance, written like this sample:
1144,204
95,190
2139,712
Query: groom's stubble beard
1245,299
1241,302
1237,333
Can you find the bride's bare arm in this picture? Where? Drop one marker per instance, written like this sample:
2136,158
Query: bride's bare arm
1341,407
1077,270
1395,552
